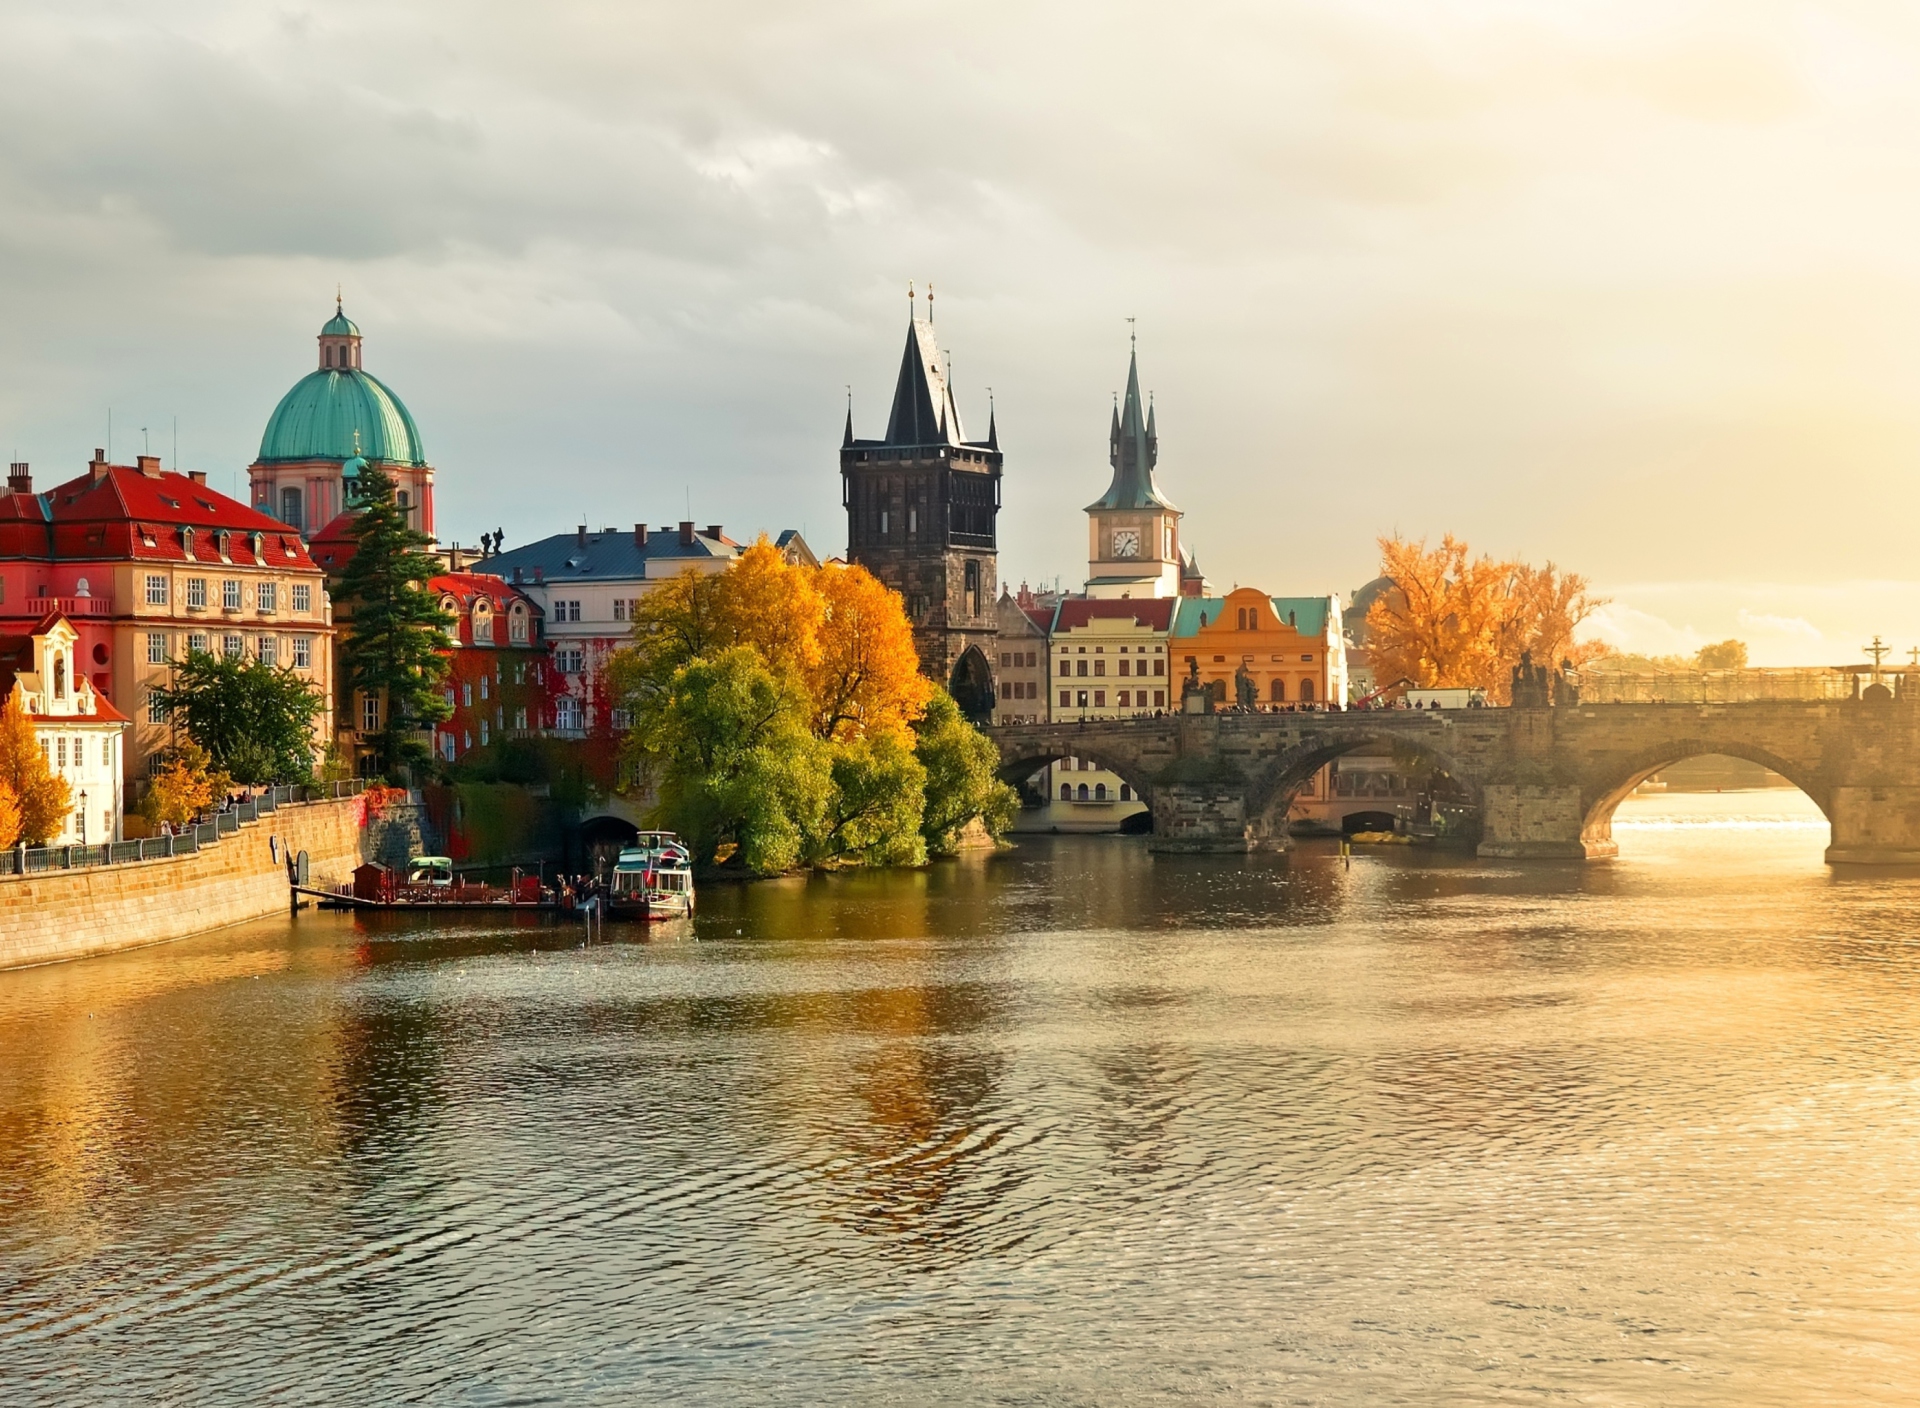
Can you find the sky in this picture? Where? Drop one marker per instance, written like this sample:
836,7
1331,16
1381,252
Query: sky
1633,287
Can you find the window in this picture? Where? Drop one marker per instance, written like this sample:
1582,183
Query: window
566,712
1080,699
303,652
1306,659
156,648
60,746
913,521
1081,795
156,710
1099,667
566,611
466,694
1066,698
106,753
230,594
483,686
1279,691
267,596
973,587
517,625
1033,689
1159,698
571,661
1006,658
1126,666
302,597
1306,691
447,746
1099,791
1159,666
201,642
619,609
483,623
883,523
233,646
370,713
290,509
1006,689
1082,671
1099,699
483,733
519,672
1066,791
156,591
520,719
1126,793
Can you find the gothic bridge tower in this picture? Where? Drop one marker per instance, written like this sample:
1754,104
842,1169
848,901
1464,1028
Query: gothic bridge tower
922,504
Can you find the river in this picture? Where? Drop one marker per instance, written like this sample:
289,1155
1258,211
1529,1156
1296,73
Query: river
1068,1125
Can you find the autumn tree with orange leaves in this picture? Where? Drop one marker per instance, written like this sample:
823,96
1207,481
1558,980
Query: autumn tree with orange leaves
777,707
1453,620
37,798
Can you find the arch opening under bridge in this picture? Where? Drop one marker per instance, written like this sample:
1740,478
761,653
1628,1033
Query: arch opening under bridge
1597,823
1271,796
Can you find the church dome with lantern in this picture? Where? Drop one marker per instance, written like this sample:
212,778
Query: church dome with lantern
336,415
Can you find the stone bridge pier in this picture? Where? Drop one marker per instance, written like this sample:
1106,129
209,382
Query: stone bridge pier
1545,779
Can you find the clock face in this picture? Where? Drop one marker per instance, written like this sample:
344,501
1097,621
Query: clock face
1126,542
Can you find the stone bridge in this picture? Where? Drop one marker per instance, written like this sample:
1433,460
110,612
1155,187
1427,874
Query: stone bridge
1545,779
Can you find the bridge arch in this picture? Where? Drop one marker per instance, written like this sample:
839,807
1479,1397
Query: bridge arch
1271,793
1024,762
1613,787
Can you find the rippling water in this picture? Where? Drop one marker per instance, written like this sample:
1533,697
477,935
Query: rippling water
1071,1125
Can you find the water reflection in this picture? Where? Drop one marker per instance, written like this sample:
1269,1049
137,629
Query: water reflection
1074,1123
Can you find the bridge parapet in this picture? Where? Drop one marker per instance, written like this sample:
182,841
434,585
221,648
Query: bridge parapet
1546,780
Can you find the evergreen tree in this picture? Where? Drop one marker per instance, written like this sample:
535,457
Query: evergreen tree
396,641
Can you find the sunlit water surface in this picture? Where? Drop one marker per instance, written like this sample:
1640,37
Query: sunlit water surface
1070,1125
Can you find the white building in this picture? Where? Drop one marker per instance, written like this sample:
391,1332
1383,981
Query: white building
79,732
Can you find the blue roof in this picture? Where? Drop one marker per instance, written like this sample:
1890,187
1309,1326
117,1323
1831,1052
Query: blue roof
606,556
1309,613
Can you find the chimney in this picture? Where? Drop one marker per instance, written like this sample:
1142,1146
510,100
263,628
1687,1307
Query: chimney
198,476
99,465
453,558
640,536
583,535
713,531
19,481
539,576
518,575
686,535
149,465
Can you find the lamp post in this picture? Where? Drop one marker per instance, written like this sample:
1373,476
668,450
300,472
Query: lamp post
83,817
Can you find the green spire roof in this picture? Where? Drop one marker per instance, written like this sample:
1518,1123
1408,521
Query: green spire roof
1135,451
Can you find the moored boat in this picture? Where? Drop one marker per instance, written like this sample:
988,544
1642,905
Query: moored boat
653,879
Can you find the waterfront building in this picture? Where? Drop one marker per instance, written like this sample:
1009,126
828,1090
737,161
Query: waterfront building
1279,652
497,680
922,508
1022,647
586,584
1110,660
80,733
147,564
335,420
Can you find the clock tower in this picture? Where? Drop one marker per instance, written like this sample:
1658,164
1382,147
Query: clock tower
1135,548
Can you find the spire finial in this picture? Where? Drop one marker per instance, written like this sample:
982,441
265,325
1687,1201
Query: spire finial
336,297
909,293
1133,340
929,300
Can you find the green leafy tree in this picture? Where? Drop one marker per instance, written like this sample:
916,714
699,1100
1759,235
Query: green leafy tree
729,747
396,645
878,803
962,777
254,720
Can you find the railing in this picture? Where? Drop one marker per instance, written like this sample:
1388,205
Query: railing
22,860
1602,686
69,605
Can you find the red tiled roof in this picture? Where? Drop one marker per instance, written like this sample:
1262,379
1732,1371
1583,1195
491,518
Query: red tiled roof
1155,613
123,514
466,586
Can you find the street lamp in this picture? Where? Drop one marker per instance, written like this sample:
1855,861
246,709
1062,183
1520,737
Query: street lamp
83,817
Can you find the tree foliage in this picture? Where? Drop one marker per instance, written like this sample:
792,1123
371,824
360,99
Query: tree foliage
184,786
254,720
394,647
780,707
962,778
1722,655
42,798
9,816
1452,620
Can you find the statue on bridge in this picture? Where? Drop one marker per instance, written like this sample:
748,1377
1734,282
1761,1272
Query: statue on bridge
1195,698
1245,692
1537,687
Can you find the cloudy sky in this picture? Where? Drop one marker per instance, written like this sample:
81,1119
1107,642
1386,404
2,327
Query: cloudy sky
1633,286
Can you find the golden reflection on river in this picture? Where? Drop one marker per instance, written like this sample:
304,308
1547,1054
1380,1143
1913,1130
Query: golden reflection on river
1070,1124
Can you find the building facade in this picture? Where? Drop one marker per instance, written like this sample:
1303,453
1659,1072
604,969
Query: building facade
147,565
79,732
497,678
1261,651
336,420
923,505
1024,659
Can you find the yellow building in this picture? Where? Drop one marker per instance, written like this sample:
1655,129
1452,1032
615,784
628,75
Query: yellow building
1290,650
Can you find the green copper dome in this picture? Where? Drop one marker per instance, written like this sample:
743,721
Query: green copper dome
340,325
317,420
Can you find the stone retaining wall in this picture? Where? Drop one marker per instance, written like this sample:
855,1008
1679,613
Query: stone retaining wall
60,914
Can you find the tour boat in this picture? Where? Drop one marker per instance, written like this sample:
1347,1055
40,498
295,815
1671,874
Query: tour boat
653,879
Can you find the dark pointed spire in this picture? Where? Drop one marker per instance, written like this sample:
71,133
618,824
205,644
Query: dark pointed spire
1135,451
848,438
923,411
993,423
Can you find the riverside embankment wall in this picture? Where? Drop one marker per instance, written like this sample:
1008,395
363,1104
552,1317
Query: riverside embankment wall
59,914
